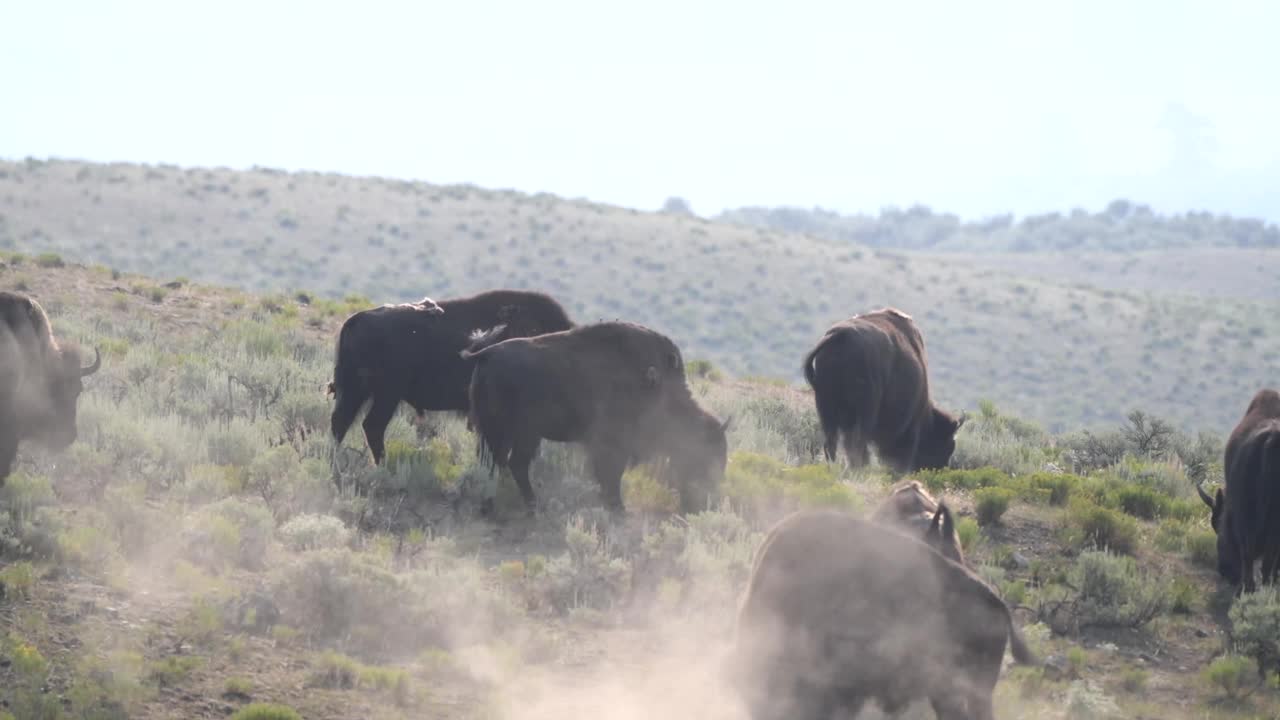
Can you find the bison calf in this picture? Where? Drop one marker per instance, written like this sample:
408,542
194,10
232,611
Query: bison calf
616,387
840,610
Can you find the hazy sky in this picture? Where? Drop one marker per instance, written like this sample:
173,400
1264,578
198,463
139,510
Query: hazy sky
972,107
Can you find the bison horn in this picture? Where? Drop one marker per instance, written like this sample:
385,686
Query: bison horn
1204,496
960,422
727,422
97,363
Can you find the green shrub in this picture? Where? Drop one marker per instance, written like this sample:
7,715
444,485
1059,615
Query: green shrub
702,369
335,670
233,531
1171,536
1112,591
1135,680
1088,525
1202,548
314,532
645,493
173,670
991,503
969,533
950,479
266,711
16,581
1182,595
238,686
1057,486
50,260
1255,623
1231,674
766,486
1140,501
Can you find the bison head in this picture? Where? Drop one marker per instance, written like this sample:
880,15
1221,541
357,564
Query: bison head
938,440
698,457
1228,552
54,424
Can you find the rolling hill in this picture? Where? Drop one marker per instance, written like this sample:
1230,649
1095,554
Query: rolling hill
751,299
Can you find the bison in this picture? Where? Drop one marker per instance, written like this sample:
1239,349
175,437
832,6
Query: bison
40,380
870,383
1245,512
616,387
840,610
411,353
911,508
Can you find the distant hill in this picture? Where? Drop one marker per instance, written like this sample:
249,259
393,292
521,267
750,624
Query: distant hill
1122,227
751,299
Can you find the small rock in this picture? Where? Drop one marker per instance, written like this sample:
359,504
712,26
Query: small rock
1055,666
1148,659
1201,633
1019,561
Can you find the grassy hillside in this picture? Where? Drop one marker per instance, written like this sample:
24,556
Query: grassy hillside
190,556
1204,272
752,300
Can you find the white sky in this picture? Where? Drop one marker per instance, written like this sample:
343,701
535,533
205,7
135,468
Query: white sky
973,107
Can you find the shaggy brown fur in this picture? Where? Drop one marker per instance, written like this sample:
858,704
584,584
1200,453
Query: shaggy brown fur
1245,513
840,610
910,507
40,380
617,388
870,383
411,352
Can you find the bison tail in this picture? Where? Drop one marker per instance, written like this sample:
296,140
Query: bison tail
350,389
485,419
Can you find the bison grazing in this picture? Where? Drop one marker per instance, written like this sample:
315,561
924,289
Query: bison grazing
840,610
616,387
870,383
911,508
1246,511
410,352
40,380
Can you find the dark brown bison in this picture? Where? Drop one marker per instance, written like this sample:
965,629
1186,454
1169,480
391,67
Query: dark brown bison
1245,512
618,388
870,383
840,610
40,380
911,508
411,353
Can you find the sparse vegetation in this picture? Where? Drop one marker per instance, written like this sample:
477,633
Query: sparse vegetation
193,546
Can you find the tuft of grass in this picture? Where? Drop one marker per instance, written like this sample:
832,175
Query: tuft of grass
50,260
173,670
1135,680
238,687
969,533
991,503
266,711
17,581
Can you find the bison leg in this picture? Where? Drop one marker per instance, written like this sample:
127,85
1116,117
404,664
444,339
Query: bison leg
523,451
375,424
855,449
1270,564
609,466
8,453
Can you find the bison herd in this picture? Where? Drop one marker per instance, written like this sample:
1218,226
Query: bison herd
838,610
